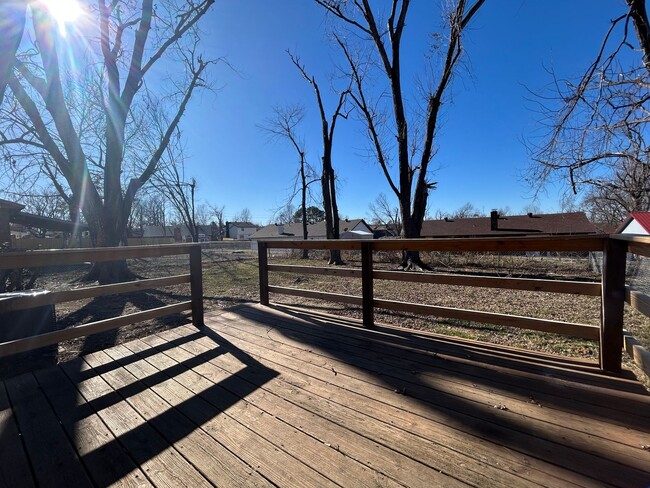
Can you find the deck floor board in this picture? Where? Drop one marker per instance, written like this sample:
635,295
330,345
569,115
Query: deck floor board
275,396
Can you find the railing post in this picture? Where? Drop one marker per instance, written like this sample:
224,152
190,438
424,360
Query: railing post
263,260
367,284
613,302
196,285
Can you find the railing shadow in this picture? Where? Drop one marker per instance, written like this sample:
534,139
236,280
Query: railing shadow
101,383
426,369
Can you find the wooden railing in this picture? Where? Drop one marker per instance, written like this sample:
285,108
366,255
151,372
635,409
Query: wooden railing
34,259
639,245
611,288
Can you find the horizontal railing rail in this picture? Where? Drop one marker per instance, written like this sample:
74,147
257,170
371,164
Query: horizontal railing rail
41,258
610,289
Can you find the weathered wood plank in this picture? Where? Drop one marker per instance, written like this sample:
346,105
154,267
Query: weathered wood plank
481,244
262,263
367,293
211,458
638,300
14,468
588,387
319,295
162,464
54,460
35,259
21,303
196,286
607,451
34,342
341,244
362,410
436,373
613,304
566,328
392,367
321,270
340,437
529,284
334,464
106,462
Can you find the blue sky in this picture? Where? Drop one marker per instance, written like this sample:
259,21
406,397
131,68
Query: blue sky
481,157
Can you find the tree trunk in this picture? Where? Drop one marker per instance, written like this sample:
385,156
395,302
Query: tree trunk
303,203
109,233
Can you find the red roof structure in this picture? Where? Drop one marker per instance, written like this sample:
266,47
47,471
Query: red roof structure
642,218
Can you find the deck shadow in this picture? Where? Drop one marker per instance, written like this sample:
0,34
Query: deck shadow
100,383
400,362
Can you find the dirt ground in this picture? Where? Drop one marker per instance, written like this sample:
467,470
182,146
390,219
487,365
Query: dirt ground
231,277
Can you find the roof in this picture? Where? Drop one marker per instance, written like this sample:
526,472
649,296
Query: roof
11,205
643,218
314,231
560,223
242,224
49,223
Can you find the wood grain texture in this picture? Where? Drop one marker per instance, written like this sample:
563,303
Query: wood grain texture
52,298
34,342
47,257
566,328
318,295
266,396
481,244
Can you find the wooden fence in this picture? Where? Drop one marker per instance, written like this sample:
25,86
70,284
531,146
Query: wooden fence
611,289
14,260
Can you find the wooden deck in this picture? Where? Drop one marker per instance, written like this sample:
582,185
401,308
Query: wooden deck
278,397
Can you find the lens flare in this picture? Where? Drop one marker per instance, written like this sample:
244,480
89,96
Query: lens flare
63,12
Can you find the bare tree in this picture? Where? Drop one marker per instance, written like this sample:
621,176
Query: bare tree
244,216
218,217
467,211
93,125
414,146
284,124
179,190
328,177
383,213
597,125
626,190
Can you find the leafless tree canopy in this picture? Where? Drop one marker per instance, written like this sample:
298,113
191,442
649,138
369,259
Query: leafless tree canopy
377,55
327,175
284,124
596,140
78,109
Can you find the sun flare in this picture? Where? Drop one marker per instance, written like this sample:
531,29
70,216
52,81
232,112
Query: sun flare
64,11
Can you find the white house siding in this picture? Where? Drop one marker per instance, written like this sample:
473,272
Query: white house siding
634,228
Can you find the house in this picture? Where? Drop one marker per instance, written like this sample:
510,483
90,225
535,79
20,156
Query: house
240,230
572,223
636,223
381,231
348,229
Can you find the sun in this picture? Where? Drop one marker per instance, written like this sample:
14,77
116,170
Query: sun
64,11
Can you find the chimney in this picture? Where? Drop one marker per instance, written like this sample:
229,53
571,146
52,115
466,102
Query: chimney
494,220
280,229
